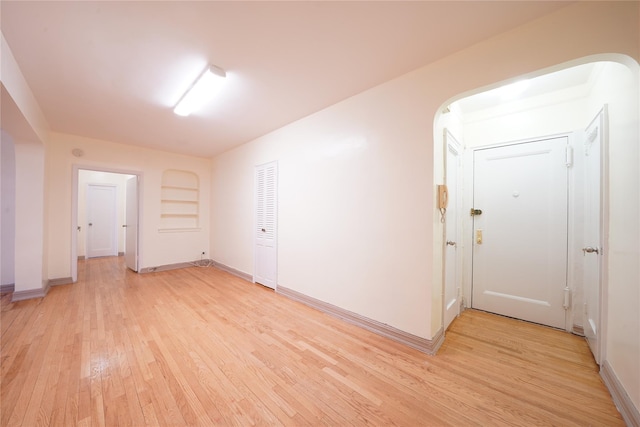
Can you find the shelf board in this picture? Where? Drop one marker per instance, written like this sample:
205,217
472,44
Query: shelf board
177,187
195,202
181,215
179,230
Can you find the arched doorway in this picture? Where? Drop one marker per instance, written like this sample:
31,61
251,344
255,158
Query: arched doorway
562,101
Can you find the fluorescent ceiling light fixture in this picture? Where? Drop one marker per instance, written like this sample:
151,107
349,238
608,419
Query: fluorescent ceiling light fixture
201,91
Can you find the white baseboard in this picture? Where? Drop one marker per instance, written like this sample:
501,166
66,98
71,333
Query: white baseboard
422,344
628,410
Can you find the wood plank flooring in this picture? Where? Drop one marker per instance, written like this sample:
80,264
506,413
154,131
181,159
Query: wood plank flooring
198,346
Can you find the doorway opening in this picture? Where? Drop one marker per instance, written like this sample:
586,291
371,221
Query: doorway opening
556,104
105,219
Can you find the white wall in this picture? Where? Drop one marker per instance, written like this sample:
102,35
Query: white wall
86,177
549,114
353,218
156,248
7,209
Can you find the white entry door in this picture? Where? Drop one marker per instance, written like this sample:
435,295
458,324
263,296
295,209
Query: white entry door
453,253
102,238
266,260
131,224
592,243
520,238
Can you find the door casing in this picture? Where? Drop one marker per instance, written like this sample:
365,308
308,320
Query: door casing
452,231
132,220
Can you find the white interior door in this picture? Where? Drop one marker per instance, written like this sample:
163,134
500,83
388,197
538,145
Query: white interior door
266,184
453,262
592,243
102,237
131,224
520,238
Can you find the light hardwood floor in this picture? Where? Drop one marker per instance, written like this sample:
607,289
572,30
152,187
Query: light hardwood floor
198,346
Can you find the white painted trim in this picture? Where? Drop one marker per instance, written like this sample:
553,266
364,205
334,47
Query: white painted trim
621,399
569,319
467,234
449,140
604,235
422,344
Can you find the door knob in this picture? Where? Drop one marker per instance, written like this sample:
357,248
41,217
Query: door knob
450,243
90,224
124,225
589,250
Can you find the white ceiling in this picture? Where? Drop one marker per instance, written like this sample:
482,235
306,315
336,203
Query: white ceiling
114,70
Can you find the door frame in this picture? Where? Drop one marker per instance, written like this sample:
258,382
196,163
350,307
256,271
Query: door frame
127,225
603,303
74,210
467,221
449,139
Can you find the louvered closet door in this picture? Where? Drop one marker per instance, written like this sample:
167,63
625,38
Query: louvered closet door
266,184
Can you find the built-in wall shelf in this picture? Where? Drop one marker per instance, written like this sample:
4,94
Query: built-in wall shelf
179,201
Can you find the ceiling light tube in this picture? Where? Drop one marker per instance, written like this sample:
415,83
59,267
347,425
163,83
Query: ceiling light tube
201,91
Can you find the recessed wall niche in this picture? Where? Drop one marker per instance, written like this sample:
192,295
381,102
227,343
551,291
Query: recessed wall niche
179,203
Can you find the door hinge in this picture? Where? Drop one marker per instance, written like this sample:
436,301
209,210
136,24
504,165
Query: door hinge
567,297
569,156
475,212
